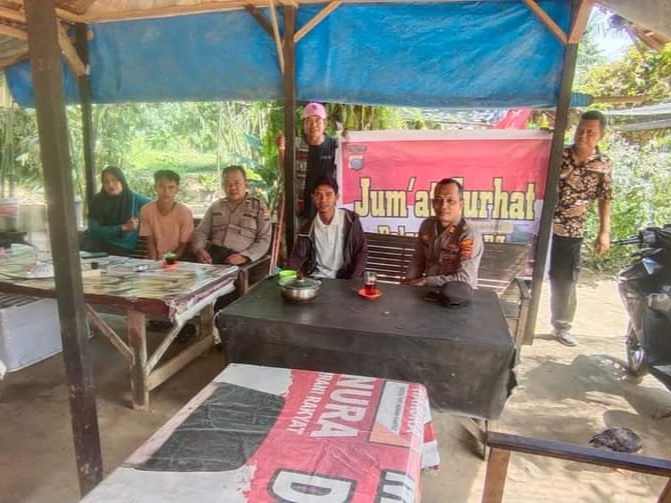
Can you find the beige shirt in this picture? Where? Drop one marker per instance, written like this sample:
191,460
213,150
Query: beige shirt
445,255
244,228
167,231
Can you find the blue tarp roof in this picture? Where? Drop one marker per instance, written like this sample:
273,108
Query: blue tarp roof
455,54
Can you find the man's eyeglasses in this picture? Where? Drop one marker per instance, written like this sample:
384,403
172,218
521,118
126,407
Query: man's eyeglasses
439,201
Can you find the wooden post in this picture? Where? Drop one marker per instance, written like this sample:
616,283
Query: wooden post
81,31
552,179
137,340
45,60
665,497
289,49
495,479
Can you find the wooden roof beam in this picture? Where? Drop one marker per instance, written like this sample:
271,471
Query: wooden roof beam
11,60
70,53
260,18
169,11
547,21
12,15
651,42
318,18
276,35
13,32
70,17
61,13
580,21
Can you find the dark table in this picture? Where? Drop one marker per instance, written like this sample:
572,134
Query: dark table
463,356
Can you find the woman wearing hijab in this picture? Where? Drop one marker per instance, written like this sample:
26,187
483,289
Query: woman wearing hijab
113,216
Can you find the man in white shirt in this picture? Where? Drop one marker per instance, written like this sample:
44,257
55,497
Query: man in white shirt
332,244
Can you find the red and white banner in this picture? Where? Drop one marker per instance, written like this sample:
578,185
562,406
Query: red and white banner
388,178
263,434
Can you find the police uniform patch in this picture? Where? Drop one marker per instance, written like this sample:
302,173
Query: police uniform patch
466,249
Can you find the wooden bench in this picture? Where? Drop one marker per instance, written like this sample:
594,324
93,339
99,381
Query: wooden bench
502,264
502,444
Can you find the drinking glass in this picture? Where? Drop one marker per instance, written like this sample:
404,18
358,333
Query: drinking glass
369,282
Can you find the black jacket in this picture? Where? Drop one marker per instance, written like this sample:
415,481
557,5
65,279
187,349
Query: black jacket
355,254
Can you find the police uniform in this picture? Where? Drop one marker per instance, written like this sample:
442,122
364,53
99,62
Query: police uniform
244,228
447,254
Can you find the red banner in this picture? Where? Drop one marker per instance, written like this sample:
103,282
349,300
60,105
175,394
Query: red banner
388,178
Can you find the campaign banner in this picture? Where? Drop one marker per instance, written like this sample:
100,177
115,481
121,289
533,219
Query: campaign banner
388,178
264,434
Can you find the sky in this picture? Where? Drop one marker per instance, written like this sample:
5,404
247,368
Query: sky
613,43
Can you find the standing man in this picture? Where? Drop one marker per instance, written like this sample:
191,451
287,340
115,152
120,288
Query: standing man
166,223
315,157
585,176
332,244
235,229
448,250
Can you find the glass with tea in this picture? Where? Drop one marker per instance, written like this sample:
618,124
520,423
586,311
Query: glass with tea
369,283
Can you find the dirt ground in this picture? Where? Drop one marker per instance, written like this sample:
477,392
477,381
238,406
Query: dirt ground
564,394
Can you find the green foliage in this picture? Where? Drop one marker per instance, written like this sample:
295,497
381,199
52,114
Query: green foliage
641,176
642,72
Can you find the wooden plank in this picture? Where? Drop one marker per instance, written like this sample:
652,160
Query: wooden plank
580,21
580,454
81,43
178,362
107,331
289,84
70,53
137,337
206,321
546,20
11,60
276,35
13,15
163,347
157,12
13,32
665,497
318,18
495,479
57,174
256,14
70,16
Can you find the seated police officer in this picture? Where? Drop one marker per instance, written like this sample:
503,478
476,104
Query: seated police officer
448,250
235,229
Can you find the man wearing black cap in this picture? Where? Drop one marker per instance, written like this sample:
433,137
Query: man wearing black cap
332,244
448,250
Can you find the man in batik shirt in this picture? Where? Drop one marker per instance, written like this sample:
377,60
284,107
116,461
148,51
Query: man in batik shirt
585,176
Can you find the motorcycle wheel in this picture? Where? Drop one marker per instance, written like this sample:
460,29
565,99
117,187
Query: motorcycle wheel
637,360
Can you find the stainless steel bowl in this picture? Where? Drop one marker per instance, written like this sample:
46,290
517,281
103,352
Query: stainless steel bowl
298,290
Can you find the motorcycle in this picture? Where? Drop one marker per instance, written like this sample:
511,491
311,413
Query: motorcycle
645,289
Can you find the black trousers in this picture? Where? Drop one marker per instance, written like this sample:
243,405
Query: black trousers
565,261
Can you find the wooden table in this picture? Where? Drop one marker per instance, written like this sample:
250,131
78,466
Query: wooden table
262,434
176,294
463,356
